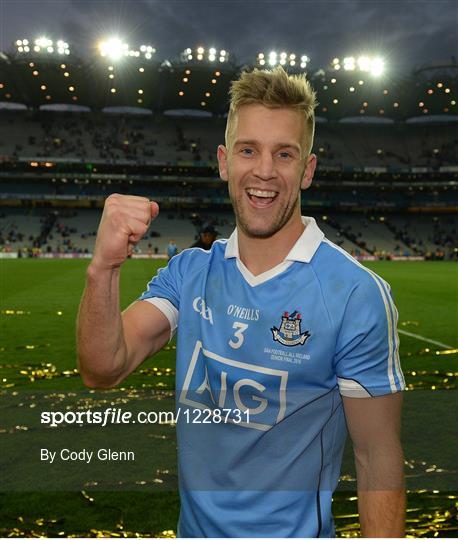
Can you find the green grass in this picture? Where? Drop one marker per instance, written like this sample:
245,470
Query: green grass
38,346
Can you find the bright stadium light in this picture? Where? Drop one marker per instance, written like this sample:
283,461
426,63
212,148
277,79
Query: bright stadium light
349,63
283,58
43,42
377,67
114,48
203,54
364,63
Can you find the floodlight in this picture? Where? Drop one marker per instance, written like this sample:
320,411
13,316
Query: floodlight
364,63
200,50
148,56
349,63
113,48
212,57
377,67
212,51
273,54
223,53
283,55
222,59
19,42
20,49
143,48
260,55
200,57
43,42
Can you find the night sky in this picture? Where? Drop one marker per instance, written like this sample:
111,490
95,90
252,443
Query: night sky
406,33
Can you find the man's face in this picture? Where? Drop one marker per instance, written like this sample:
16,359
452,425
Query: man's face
266,167
207,238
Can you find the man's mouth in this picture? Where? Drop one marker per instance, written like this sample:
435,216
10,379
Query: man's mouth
261,198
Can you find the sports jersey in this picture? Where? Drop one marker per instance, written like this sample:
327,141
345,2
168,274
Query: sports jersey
281,348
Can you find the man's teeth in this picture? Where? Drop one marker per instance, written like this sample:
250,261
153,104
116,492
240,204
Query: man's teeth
260,193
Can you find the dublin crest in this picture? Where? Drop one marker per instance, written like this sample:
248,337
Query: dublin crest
289,333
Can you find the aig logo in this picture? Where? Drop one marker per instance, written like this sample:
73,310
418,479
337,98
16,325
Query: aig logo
201,307
215,381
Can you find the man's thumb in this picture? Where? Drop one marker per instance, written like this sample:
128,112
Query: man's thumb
154,209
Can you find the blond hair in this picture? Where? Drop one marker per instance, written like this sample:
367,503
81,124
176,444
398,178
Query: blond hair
274,89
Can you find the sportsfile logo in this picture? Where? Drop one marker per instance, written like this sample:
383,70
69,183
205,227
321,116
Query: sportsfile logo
213,381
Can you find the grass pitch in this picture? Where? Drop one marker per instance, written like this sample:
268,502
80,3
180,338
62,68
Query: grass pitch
39,302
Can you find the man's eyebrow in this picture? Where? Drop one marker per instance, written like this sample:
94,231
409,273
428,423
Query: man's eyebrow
277,146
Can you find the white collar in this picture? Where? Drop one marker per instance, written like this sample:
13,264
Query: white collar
302,251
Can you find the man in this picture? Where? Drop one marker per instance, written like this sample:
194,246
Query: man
172,249
207,236
277,326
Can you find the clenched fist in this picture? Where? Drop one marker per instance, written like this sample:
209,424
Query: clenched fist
124,222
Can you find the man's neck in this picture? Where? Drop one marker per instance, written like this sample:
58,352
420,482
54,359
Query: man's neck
262,254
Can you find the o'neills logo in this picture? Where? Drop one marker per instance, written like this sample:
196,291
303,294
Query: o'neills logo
289,333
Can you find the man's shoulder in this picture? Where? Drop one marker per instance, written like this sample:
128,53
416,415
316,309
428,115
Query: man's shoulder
334,264
195,258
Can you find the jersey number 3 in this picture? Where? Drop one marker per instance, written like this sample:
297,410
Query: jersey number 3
238,334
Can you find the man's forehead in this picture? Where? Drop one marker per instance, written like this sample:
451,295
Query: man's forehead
251,125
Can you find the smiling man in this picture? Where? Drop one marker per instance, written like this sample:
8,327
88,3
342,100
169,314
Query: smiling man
284,340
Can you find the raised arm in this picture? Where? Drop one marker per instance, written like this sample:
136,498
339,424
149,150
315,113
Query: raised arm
374,424
112,344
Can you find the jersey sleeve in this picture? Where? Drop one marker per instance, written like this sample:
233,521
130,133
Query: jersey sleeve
164,291
367,350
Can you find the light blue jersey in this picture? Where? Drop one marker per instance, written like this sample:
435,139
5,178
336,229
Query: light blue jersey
276,352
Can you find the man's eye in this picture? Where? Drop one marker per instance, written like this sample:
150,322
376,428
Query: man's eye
285,155
247,151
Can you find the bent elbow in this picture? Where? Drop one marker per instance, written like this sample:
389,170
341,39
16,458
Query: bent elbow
98,381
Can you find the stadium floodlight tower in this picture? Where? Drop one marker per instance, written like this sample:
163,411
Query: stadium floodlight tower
290,61
115,49
42,46
202,55
373,65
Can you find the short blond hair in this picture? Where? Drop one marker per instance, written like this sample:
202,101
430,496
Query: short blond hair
274,89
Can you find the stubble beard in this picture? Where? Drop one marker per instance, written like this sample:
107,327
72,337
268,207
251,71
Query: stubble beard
269,229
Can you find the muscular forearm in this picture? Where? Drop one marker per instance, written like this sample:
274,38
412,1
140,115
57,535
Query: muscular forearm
382,513
101,346
381,494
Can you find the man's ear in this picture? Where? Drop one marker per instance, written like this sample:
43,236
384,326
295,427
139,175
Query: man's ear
309,172
222,162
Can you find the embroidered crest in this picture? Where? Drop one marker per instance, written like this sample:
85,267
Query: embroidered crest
289,333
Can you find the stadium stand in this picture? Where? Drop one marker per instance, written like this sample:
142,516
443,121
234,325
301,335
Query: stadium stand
387,153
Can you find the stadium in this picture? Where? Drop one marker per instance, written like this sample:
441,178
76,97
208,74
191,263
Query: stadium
74,129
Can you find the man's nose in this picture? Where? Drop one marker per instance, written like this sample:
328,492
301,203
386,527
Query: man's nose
265,166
